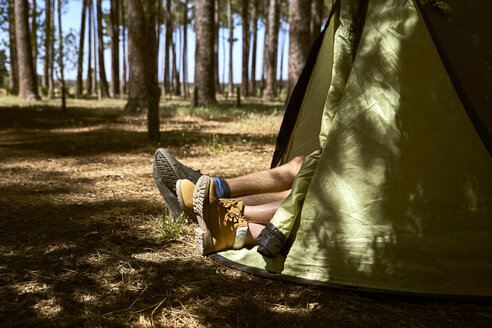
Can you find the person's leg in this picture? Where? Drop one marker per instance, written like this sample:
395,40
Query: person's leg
269,181
254,230
261,214
227,223
258,199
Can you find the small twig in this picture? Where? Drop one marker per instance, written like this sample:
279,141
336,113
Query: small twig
131,305
152,314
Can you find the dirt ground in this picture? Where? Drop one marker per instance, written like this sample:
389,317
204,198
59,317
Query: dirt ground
78,245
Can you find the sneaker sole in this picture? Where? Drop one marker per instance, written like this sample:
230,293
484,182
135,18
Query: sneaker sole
170,198
165,165
203,236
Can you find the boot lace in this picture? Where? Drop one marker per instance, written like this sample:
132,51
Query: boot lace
233,210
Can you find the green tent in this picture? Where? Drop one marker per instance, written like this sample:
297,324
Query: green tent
393,113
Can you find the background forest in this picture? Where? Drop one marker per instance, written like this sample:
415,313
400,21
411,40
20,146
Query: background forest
85,237
136,30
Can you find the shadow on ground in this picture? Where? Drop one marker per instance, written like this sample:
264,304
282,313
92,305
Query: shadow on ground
97,262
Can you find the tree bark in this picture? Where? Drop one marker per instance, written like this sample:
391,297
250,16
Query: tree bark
184,69
47,47
204,59
79,87
254,33
245,57
51,90
142,58
115,49
95,85
273,23
123,23
299,39
14,68
88,85
317,17
103,82
216,47
281,73
60,57
265,53
230,89
176,84
158,22
167,46
27,76
34,38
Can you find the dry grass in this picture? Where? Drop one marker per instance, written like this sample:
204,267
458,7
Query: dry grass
78,246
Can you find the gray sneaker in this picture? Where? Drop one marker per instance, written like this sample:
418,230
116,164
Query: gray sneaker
167,171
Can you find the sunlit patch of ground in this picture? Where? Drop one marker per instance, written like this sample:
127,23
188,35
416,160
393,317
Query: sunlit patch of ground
78,245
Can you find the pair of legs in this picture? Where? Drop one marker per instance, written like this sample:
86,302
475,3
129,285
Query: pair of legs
255,197
263,192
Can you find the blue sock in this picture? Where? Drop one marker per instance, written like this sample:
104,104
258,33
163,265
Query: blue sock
221,188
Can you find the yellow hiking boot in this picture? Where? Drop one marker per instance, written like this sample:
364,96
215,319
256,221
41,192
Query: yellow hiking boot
184,193
222,223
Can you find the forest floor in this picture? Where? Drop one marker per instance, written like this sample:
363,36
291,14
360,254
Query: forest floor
83,239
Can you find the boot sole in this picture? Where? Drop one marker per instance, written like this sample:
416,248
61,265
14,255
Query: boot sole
170,198
203,236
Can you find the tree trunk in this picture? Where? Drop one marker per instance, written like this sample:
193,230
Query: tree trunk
34,38
79,87
14,68
142,58
95,85
184,69
47,47
51,91
216,47
299,39
176,84
103,82
224,65
115,49
123,23
166,81
281,73
230,89
265,53
158,23
27,76
254,33
204,59
60,57
273,22
317,17
88,85
245,59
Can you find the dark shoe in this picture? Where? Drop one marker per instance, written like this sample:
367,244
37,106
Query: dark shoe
167,171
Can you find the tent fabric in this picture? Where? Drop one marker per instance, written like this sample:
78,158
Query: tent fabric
308,97
464,42
397,195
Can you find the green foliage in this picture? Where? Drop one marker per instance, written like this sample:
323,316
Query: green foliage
167,226
215,144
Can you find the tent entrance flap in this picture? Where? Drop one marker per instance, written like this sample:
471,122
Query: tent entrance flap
400,196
